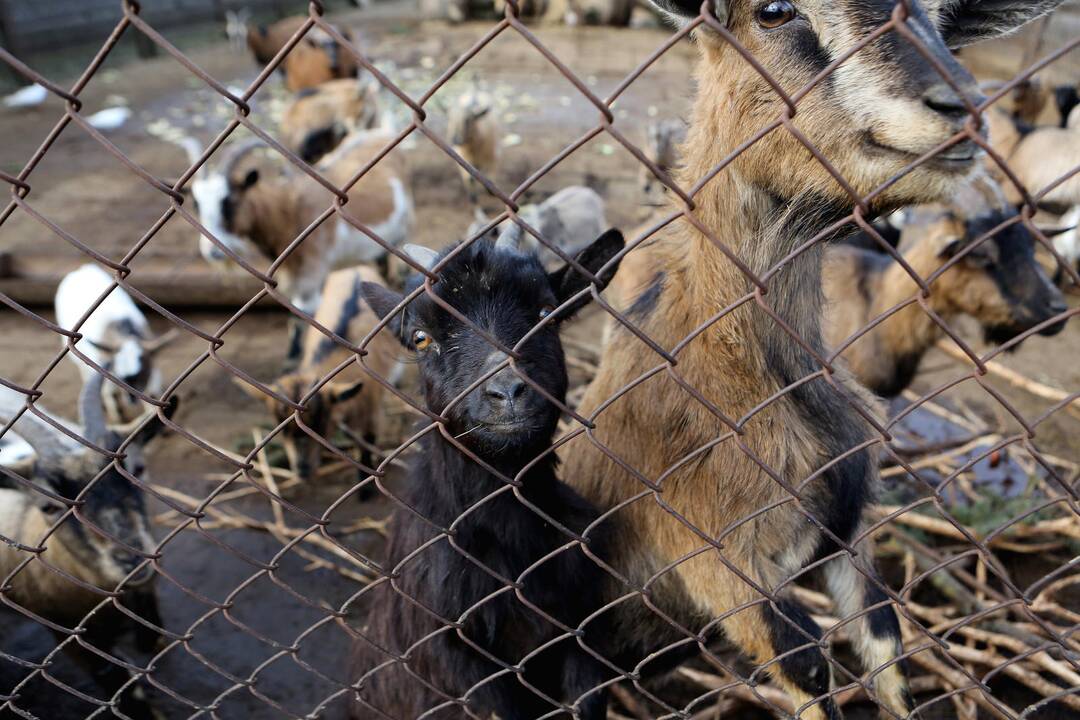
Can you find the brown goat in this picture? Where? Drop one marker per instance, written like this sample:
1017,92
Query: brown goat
353,397
266,41
997,281
253,212
702,491
474,133
319,118
315,59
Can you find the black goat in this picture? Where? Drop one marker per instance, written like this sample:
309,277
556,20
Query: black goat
489,586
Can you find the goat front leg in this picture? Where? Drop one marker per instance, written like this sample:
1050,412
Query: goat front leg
782,639
875,629
582,677
308,303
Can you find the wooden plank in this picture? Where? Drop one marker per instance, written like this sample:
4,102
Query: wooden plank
33,284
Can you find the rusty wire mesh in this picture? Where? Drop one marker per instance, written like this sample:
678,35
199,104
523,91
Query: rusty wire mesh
1054,629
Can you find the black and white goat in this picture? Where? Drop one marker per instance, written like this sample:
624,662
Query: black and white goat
511,571
116,333
102,542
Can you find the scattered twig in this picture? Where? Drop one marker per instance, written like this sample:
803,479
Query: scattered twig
1011,376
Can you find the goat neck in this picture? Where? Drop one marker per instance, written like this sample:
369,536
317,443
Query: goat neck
459,482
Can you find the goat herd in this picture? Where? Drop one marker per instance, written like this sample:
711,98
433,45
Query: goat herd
721,461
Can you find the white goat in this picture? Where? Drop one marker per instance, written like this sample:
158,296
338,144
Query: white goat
570,219
116,333
662,141
236,27
1043,156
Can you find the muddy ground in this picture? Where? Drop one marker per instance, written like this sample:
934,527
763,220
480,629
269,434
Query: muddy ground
238,658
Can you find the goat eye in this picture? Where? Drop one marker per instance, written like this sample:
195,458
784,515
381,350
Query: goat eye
775,14
52,509
421,340
546,310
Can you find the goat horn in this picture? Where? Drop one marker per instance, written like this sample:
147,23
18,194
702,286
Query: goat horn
422,256
46,440
510,238
92,409
1054,232
152,345
194,150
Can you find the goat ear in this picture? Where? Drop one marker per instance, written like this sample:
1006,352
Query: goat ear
340,392
682,10
964,22
567,282
319,142
383,301
155,426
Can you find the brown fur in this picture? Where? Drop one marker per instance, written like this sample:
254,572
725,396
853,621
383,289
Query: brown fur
266,41
341,105
861,285
1004,137
279,208
1030,99
310,62
656,427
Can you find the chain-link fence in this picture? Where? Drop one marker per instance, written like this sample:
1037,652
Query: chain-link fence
755,532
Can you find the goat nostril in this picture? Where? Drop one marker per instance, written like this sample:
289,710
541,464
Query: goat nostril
944,100
505,391
516,389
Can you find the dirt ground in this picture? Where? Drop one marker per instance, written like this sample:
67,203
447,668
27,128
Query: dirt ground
87,192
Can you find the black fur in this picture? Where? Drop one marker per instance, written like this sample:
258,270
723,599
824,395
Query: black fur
495,542
349,311
968,21
1008,257
1066,98
319,142
882,620
863,240
646,302
907,365
792,630
839,427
